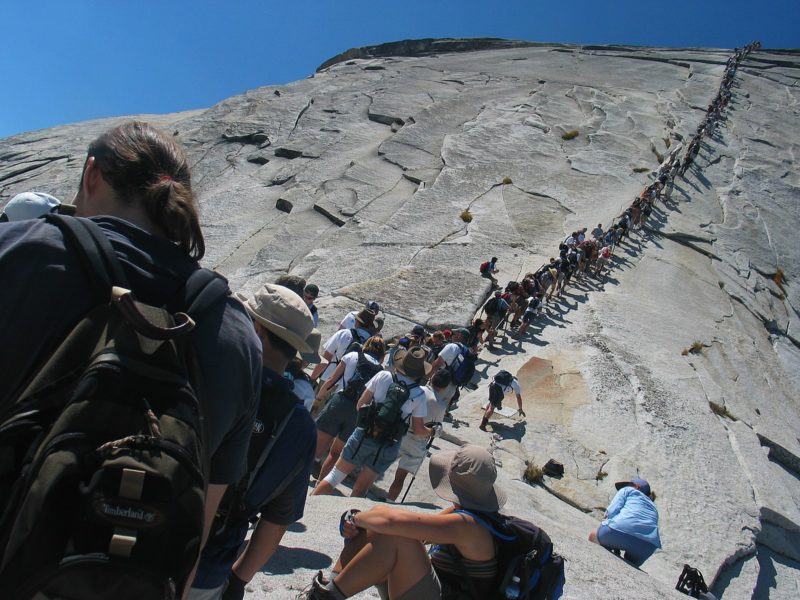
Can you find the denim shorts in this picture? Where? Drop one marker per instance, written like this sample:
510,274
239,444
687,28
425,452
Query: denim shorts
636,550
361,450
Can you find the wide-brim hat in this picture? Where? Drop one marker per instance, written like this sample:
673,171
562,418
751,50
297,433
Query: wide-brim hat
365,316
314,340
411,362
282,312
642,484
467,477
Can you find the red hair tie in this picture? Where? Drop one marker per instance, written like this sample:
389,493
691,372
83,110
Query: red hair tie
165,178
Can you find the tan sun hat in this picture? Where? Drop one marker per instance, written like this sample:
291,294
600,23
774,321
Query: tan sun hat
467,477
282,312
411,362
314,339
365,316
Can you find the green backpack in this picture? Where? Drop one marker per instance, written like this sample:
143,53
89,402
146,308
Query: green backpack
384,421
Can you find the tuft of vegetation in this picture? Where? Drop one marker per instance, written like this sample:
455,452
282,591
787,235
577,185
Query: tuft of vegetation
641,169
659,156
779,278
534,474
721,410
600,474
569,135
507,181
695,348
466,216
667,142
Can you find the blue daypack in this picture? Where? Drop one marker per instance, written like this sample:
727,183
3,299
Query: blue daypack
463,367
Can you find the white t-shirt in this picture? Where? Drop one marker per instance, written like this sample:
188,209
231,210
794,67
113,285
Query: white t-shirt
416,405
437,403
305,391
349,321
512,388
350,361
449,353
337,345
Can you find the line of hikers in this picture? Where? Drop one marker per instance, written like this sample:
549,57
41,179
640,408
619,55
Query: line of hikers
147,413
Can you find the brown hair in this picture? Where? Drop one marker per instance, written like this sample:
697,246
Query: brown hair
142,163
376,347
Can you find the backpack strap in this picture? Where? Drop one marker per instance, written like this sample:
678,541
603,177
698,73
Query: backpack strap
483,522
95,252
203,289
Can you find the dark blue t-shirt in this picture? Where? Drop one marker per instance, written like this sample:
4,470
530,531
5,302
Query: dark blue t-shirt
46,291
277,494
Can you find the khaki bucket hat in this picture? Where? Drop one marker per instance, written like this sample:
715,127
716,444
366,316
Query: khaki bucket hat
467,477
411,362
283,313
314,339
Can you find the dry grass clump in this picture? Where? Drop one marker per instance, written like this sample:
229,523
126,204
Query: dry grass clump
600,474
534,474
659,156
641,169
721,410
569,135
507,181
667,142
466,216
695,348
779,278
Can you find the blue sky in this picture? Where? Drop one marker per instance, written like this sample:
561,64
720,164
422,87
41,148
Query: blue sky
65,61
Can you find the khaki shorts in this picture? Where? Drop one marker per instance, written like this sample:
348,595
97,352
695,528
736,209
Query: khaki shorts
427,588
413,449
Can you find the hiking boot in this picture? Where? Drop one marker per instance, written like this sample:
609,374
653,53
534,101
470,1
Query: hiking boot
317,590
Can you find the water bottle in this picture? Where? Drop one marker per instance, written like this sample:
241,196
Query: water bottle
512,589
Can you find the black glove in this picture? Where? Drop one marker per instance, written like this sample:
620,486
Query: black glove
235,589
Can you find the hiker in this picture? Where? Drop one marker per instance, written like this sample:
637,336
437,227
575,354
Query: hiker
459,362
385,546
603,259
597,232
339,344
273,493
136,185
503,383
488,270
336,422
392,404
32,205
310,294
415,337
532,310
436,341
496,309
414,448
631,523
349,321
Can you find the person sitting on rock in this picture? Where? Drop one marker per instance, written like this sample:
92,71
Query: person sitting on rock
503,383
385,546
488,270
414,448
631,523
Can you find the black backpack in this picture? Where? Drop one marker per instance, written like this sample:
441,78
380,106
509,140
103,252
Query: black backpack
103,464
691,583
526,562
491,306
365,370
384,422
357,342
504,378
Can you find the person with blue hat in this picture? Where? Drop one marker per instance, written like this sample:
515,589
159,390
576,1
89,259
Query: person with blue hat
631,523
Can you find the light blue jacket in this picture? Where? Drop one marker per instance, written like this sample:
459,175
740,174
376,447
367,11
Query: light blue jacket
633,512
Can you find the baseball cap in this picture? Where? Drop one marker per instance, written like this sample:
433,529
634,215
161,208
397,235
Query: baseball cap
32,205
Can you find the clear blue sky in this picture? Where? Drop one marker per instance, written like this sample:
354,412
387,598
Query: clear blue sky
71,60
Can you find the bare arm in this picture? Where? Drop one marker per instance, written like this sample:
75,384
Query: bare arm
262,545
418,427
365,399
331,381
441,528
213,497
320,368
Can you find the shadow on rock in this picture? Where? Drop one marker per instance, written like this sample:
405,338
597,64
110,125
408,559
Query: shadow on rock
287,560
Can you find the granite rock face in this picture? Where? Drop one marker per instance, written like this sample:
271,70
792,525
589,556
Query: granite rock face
356,179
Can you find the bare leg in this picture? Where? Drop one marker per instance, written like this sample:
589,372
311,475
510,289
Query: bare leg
397,485
330,460
326,489
593,536
323,444
365,479
402,561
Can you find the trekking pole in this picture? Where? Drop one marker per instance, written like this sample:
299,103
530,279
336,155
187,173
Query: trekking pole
427,448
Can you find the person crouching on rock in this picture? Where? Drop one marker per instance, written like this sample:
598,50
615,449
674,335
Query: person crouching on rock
385,546
503,383
389,403
631,523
